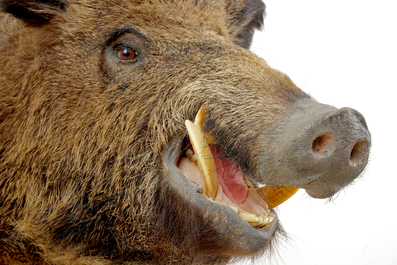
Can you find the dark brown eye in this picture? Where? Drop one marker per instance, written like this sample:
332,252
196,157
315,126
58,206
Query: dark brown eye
126,54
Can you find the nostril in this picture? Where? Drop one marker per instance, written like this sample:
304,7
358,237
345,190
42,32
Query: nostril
359,153
321,145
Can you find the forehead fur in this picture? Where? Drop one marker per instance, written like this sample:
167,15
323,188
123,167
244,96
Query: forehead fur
172,20
165,19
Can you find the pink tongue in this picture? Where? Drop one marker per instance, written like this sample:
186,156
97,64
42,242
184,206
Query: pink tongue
230,176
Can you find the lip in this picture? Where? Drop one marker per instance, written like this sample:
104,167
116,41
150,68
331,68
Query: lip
249,239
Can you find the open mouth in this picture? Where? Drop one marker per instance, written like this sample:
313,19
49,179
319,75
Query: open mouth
223,182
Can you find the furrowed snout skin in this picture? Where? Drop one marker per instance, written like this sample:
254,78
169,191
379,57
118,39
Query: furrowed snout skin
94,98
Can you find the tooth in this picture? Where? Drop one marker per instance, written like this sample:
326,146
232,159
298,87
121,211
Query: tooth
204,159
265,219
261,220
198,121
276,195
199,116
192,157
256,225
249,217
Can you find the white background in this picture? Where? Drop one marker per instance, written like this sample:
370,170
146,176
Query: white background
343,53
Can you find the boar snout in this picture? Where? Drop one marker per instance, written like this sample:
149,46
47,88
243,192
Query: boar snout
322,149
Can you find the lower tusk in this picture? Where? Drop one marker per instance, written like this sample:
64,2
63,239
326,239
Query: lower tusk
204,158
276,195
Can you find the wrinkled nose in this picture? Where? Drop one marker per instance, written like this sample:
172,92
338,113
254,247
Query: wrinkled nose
324,150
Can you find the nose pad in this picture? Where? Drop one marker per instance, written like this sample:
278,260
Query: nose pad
341,148
325,144
352,134
321,149
360,151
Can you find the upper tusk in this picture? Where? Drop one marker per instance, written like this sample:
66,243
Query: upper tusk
199,120
204,158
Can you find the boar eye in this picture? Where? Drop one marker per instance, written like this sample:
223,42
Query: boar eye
126,53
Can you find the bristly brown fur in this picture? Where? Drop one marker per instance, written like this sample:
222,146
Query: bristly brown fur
82,180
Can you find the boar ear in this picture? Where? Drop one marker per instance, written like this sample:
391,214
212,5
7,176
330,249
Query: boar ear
34,12
246,17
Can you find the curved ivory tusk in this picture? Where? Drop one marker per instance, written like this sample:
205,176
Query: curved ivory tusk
204,158
198,121
276,195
